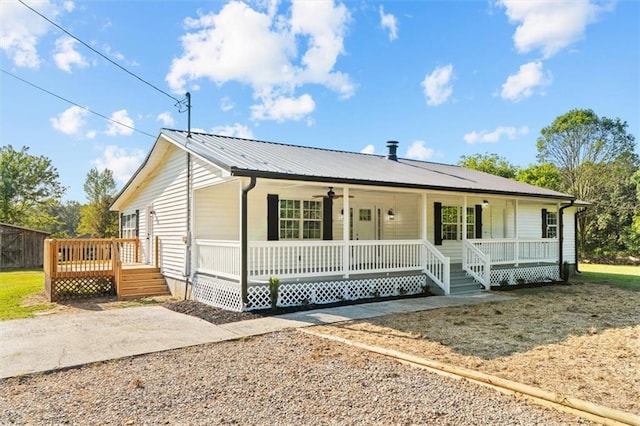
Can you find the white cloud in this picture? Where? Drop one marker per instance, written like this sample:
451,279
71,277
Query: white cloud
550,26
91,134
226,104
122,162
390,23
122,124
236,130
283,108
70,121
437,85
369,149
522,84
418,151
21,29
260,49
485,136
166,119
66,55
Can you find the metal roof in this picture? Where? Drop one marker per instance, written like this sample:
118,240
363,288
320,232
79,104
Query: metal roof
245,157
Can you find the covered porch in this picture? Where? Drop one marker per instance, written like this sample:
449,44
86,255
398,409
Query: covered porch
334,243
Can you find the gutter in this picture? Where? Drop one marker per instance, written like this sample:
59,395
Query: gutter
575,226
244,245
187,260
561,238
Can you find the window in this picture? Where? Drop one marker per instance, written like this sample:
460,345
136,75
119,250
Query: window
128,225
552,225
452,223
300,219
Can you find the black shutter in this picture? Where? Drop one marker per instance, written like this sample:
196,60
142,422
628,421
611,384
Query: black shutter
544,223
138,223
327,218
437,224
121,223
273,210
478,221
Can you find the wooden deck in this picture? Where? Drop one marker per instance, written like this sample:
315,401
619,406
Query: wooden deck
79,268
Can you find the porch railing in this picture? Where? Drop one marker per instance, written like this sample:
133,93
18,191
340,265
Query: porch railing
514,251
476,263
297,259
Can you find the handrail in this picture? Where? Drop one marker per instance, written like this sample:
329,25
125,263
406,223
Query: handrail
476,263
437,266
116,264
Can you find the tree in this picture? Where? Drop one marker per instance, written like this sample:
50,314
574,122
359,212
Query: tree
28,187
545,175
67,219
489,163
596,161
95,218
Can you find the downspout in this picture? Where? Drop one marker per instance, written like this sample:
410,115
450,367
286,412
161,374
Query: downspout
244,242
561,237
575,236
187,260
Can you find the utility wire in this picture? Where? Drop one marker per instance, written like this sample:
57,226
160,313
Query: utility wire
73,103
178,101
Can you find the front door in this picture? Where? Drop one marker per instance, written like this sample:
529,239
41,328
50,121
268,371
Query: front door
366,223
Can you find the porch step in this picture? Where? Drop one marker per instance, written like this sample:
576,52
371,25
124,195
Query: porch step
142,282
460,282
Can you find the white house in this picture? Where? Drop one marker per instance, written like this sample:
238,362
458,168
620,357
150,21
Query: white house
230,213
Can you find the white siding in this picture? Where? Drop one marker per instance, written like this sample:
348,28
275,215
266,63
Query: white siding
166,190
217,212
569,238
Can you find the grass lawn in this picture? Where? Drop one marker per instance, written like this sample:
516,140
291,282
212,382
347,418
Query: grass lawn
622,276
15,288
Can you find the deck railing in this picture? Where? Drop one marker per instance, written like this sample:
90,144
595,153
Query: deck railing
515,251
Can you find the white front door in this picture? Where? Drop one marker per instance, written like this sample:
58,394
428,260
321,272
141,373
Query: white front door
366,224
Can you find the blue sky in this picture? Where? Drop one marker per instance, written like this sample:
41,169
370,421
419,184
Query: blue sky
444,78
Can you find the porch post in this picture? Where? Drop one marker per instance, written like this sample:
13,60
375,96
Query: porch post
517,247
424,231
346,220
464,219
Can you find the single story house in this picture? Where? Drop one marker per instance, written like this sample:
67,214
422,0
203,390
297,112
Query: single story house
228,214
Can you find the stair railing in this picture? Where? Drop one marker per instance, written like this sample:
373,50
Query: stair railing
476,263
437,266
116,264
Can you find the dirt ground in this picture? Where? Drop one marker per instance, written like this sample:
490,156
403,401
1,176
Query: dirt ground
579,340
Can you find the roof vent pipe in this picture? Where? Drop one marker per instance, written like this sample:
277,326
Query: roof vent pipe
393,150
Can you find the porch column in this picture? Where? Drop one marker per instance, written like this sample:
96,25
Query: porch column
346,220
517,247
424,217
464,219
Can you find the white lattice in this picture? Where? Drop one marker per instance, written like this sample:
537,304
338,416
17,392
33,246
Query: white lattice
526,275
321,292
219,293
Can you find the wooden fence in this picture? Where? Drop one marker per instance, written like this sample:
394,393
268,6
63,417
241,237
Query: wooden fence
76,268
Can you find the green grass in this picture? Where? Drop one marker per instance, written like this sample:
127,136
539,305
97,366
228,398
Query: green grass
621,276
15,288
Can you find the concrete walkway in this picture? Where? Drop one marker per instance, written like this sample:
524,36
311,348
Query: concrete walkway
66,340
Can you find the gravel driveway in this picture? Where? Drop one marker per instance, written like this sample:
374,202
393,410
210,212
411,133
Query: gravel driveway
278,379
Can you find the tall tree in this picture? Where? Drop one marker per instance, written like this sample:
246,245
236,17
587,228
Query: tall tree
67,219
29,185
95,218
489,163
595,156
545,175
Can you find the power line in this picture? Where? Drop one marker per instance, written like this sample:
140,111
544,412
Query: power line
73,103
178,101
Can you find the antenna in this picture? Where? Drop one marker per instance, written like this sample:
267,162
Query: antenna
188,95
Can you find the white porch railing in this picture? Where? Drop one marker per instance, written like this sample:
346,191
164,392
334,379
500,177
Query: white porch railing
437,266
220,258
514,251
294,258
476,263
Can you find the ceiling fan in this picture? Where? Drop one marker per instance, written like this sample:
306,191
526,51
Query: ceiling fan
331,194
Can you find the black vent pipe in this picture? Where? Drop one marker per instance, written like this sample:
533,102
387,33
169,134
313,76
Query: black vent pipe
393,150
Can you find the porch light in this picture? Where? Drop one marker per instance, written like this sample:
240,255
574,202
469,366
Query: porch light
342,214
485,204
390,214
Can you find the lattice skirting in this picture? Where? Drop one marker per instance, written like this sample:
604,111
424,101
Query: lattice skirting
216,292
321,292
79,287
525,275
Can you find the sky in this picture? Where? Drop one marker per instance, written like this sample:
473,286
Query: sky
93,83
